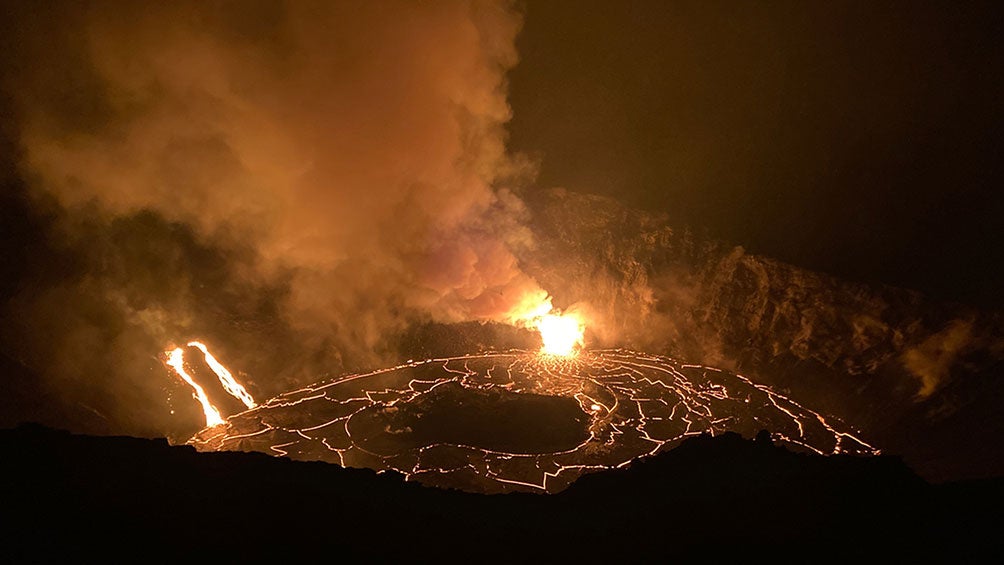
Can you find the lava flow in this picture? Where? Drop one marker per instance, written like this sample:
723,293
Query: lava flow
561,335
176,360
520,421
514,421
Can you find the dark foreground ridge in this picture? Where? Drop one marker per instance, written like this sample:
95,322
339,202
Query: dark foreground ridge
76,497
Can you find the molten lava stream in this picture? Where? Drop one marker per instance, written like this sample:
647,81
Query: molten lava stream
176,360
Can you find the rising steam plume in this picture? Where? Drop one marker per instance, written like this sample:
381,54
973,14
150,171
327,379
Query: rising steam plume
297,180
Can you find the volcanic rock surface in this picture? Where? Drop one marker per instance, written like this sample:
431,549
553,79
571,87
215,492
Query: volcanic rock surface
520,421
920,377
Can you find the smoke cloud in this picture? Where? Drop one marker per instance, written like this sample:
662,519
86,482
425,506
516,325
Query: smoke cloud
932,360
307,176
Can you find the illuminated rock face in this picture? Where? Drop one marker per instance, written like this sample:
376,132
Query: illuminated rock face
519,421
847,348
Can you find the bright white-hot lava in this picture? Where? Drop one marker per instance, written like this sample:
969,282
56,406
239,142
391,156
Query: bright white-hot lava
176,360
561,334
228,381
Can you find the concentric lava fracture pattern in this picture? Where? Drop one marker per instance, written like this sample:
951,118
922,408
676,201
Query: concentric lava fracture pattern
519,421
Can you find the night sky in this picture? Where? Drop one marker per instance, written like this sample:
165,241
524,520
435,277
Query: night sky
862,139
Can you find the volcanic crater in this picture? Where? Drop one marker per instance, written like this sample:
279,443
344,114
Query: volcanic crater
519,420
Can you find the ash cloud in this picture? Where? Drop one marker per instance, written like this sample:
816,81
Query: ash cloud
300,181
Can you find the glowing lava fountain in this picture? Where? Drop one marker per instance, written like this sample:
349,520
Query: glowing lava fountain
561,334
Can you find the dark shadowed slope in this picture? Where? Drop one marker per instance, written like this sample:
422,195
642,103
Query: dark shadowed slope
77,497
